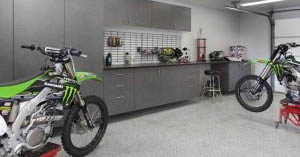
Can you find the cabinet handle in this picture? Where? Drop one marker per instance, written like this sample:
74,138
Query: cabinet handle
190,86
119,74
175,25
120,97
120,85
158,71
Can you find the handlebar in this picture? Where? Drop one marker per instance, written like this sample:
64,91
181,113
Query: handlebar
54,52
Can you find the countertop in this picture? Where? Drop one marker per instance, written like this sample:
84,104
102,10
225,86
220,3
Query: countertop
122,66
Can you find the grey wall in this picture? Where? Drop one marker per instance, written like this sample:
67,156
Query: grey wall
55,23
6,40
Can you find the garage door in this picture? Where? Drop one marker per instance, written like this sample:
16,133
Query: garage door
287,30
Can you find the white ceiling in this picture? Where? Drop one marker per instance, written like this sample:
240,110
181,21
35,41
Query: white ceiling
220,4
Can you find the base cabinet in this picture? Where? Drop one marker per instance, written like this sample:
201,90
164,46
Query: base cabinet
231,73
132,89
147,87
119,90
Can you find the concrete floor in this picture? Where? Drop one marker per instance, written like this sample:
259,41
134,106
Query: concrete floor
199,128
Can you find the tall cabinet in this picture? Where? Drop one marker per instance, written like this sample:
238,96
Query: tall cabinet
84,31
6,40
39,22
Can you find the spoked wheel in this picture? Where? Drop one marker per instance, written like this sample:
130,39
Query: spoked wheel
258,101
78,138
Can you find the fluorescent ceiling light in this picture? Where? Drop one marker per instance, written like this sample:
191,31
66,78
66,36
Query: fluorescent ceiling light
259,2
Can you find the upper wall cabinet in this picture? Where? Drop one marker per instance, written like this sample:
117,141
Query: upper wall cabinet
114,12
138,13
147,13
182,18
161,16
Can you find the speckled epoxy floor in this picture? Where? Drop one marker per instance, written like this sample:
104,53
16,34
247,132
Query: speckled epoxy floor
199,128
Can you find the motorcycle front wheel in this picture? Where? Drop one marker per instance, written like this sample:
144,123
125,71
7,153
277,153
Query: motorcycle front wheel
254,101
77,138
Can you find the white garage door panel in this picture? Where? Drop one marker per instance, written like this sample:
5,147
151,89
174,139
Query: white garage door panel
287,27
287,30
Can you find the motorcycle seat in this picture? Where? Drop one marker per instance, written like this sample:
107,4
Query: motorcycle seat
11,89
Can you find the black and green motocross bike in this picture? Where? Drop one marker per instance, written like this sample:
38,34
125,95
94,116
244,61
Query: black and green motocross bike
254,92
29,108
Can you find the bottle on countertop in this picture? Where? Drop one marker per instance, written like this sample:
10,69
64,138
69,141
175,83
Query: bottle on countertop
108,59
127,58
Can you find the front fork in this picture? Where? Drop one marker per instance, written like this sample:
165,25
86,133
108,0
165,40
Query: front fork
71,71
263,77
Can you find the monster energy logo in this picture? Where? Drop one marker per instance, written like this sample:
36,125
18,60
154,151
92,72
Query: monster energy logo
278,69
69,95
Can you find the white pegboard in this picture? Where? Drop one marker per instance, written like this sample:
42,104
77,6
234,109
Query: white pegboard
133,40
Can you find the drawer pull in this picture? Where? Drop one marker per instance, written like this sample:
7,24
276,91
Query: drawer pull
120,86
120,97
119,74
190,86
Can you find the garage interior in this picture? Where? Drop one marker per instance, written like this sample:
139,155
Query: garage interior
170,71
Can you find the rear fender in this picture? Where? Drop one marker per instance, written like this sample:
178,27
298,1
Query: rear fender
3,126
86,76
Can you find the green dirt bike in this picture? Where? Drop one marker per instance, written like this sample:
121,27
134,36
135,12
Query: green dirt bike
254,92
29,108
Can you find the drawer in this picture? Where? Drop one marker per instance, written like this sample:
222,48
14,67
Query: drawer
121,102
120,76
119,90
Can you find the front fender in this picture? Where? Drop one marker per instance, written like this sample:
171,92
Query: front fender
3,126
86,76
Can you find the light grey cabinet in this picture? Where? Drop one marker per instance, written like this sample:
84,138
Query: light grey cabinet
6,40
119,90
138,13
182,18
190,83
172,17
114,12
147,13
171,90
147,87
161,17
38,22
84,31
230,73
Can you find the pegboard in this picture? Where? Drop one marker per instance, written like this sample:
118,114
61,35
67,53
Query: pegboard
133,40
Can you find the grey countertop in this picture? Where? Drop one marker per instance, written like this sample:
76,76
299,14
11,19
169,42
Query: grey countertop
122,66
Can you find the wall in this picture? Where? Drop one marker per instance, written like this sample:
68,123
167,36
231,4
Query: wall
255,35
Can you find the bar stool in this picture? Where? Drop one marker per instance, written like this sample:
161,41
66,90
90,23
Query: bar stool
212,86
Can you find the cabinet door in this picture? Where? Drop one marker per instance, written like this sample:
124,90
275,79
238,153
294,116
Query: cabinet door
114,12
6,40
147,87
84,31
170,84
138,12
38,22
182,18
162,16
237,70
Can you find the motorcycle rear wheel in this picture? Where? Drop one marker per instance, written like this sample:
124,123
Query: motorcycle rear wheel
75,118
264,86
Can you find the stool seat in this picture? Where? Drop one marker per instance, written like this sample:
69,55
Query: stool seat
211,72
